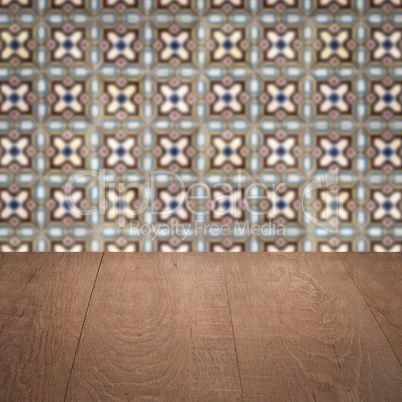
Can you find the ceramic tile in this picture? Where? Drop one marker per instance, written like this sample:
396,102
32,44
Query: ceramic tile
229,125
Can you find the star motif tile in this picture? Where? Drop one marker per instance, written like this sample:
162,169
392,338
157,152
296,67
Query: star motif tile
200,125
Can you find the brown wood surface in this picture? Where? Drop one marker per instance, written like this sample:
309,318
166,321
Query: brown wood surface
160,329
304,332
379,278
211,326
43,300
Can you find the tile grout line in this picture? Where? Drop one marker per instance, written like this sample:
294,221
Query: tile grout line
231,322
82,327
368,306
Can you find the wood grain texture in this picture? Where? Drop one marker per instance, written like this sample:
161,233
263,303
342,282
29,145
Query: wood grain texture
158,328
304,332
16,269
43,300
221,327
379,278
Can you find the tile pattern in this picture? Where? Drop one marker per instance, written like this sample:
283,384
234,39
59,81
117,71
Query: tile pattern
234,91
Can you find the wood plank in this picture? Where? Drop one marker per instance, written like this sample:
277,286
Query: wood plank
303,331
379,278
158,327
42,311
214,373
17,268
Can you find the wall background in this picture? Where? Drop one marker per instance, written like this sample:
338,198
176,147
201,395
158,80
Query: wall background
234,92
